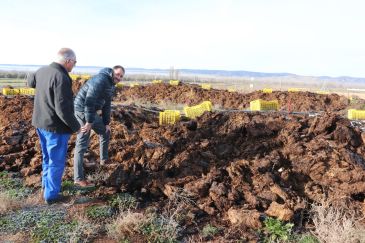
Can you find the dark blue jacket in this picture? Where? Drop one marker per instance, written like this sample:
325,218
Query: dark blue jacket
53,102
96,94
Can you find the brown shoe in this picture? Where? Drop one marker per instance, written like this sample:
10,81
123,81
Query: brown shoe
84,184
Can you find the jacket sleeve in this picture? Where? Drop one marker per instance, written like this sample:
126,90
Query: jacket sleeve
106,110
31,82
64,106
90,101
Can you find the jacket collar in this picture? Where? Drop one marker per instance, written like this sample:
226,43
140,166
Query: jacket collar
59,67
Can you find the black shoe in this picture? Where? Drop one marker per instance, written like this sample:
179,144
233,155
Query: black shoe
60,198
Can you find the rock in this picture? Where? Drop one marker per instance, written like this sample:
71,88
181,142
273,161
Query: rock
36,162
198,188
249,218
159,153
278,191
217,191
280,211
170,191
206,206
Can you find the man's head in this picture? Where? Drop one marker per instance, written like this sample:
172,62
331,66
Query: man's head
118,73
67,58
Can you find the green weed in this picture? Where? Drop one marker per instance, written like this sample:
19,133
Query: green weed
307,238
123,202
98,212
68,188
52,231
156,229
13,186
46,225
210,230
24,220
275,230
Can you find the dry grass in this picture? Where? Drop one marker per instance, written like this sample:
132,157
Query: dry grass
126,225
85,230
19,237
34,199
194,239
9,203
336,225
98,176
149,225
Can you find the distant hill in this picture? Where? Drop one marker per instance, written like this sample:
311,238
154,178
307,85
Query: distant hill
201,72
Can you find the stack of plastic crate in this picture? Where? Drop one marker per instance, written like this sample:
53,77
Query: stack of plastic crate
266,90
206,86
262,105
169,117
174,82
354,114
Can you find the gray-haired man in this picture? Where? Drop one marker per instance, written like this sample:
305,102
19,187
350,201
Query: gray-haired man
54,118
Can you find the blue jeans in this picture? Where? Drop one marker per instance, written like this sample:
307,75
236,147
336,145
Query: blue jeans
82,143
54,150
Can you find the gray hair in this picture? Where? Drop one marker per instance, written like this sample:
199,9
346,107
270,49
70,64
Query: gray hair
65,54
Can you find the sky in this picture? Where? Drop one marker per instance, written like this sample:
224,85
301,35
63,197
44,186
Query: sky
304,37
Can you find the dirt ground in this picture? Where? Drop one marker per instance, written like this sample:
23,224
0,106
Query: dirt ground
189,94
237,167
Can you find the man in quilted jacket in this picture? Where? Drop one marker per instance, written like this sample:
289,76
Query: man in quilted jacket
92,110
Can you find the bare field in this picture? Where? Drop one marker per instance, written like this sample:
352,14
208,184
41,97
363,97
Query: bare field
224,177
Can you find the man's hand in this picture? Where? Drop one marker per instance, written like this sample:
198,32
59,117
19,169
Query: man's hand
107,128
86,128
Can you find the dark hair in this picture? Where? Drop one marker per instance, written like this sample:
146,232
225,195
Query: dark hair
117,67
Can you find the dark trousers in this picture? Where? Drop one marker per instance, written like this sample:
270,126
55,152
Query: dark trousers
82,143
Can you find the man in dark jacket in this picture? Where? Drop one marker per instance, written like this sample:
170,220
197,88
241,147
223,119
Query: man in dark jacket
92,110
53,117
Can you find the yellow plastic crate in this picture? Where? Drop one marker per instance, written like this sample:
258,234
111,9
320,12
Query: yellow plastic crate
27,91
293,90
134,85
231,90
169,117
157,81
206,86
207,105
354,114
85,76
174,82
268,91
322,92
74,76
119,85
262,105
8,91
194,111
197,110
